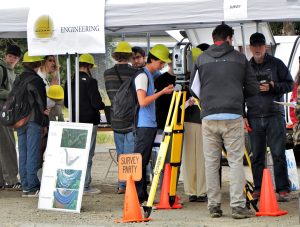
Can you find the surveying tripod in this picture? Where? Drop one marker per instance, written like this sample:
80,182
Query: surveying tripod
174,129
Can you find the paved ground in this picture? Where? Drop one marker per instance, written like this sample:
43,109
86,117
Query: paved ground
103,209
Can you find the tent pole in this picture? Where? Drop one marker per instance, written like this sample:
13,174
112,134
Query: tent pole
148,42
69,87
243,38
76,88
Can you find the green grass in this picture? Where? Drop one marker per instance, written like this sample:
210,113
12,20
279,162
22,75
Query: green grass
102,137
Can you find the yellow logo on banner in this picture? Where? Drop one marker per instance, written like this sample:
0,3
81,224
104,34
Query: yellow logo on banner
130,164
43,27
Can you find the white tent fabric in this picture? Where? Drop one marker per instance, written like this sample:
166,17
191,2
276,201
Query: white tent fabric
155,15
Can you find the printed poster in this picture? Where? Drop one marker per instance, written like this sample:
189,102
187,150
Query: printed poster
64,167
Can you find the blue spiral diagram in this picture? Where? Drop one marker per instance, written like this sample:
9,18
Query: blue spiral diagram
65,199
68,178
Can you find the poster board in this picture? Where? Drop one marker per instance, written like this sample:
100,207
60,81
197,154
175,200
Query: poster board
64,168
68,27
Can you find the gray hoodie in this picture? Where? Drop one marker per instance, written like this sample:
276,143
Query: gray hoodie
225,79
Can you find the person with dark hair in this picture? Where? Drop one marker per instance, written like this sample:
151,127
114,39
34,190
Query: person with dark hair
138,59
203,46
8,156
114,77
29,135
90,102
225,78
146,124
266,118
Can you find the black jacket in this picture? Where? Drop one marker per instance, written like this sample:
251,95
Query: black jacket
262,104
225,79
38,92
90,101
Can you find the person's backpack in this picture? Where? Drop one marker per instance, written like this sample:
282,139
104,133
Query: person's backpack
17,108
125,106
4,78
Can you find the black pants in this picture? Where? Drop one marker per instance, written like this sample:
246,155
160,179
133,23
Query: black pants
143,142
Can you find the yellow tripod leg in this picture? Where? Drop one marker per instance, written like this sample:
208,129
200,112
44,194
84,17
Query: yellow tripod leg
161,155
175,160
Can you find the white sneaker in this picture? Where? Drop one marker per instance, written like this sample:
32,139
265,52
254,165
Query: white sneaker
91,191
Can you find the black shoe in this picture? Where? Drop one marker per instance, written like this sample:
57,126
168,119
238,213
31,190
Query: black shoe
215,212
193,198
202,198
242,212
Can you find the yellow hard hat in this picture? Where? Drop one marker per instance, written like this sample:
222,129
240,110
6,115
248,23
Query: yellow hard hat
27,58
123,47
195,53
55,92
161,52
87,58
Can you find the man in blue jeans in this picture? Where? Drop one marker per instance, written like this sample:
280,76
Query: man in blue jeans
266,118
114,77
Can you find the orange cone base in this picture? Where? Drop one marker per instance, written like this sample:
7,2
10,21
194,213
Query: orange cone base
276,213
137,220
176,205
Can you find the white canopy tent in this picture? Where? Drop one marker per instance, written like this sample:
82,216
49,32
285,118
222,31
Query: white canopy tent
154,15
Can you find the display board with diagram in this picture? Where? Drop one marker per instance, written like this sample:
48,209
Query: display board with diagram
64,166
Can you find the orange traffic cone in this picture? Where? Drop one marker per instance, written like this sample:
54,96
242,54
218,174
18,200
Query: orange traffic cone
131,211
164,194
268,205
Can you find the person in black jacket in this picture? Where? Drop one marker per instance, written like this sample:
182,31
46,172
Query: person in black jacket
29,135
90,102
266,118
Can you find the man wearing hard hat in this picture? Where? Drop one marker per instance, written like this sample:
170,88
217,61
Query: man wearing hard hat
146,126
114,78
90,102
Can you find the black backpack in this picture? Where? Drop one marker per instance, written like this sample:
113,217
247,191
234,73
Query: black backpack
4,76
17,108
125,106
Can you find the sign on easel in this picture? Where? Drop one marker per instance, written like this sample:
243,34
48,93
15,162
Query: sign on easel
65,165
130,164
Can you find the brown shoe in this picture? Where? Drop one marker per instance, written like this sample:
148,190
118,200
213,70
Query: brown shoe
121,191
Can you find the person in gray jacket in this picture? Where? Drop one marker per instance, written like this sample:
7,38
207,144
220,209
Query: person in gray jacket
8,155
225,79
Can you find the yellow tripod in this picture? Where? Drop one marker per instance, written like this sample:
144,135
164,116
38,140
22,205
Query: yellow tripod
174,129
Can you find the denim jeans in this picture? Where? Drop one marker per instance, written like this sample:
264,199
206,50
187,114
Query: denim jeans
29,137
88,176
143,143
124,145
269,131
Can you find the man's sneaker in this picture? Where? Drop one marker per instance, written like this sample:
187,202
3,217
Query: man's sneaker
193,198
33,194
91,191
283,196
121,191
202,198
256,195
13,187
215,212
242,212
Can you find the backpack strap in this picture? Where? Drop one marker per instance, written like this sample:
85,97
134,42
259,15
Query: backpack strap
118,74
4,75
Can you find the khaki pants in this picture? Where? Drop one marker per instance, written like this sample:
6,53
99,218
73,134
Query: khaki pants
231,133
193,160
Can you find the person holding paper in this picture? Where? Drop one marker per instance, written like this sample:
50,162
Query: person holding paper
192,155
225,77
266,118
